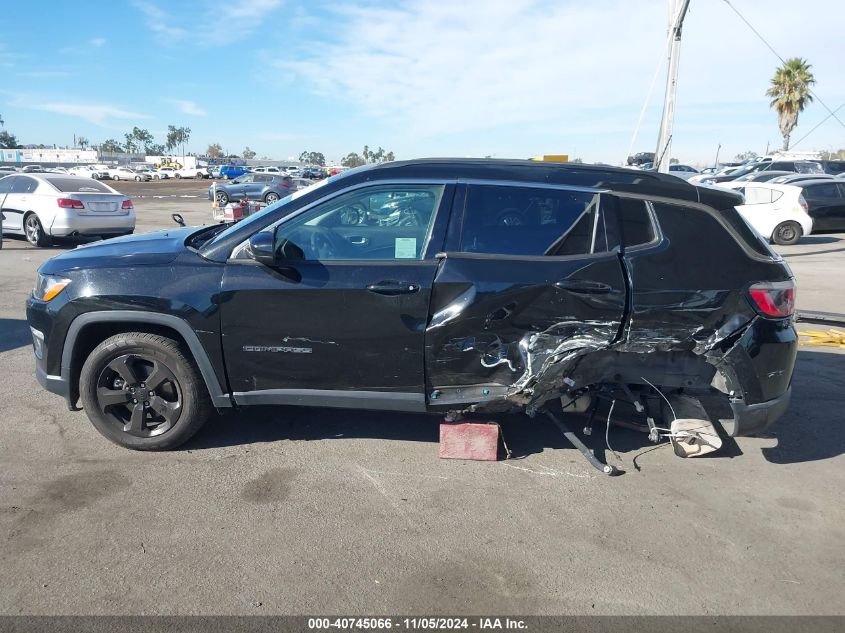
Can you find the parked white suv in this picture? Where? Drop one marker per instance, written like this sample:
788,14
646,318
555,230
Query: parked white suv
777,212
40,206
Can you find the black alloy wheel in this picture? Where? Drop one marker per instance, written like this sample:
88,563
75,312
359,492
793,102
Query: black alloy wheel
139,395
143,391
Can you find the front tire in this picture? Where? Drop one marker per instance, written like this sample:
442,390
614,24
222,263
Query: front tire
177,176
787,233
142,392
137,179
222,198
34,232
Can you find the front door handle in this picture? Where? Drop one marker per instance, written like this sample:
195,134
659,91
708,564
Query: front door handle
391,287
359,240
584,286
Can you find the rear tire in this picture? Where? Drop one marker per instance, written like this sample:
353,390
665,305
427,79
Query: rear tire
34,231
142,392
115,177
787,233
271,198
137,179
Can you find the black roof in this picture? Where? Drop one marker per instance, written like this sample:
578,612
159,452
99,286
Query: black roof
620,179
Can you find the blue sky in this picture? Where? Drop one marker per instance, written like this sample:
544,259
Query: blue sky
507,78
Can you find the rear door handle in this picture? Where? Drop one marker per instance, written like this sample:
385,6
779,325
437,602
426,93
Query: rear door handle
391,288
583,286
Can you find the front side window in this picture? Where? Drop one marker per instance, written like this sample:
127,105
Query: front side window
6,183
528,221
373,223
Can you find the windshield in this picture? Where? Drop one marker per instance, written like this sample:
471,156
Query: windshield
258,217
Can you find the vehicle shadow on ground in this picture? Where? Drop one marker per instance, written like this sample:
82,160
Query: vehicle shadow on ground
19,243
14,333
819,239
812,428
524,436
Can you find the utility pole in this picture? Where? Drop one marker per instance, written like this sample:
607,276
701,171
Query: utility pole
716,163
662,157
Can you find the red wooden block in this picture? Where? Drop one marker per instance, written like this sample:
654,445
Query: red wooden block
469,440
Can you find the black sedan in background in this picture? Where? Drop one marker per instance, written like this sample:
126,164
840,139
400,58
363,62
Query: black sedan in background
269,188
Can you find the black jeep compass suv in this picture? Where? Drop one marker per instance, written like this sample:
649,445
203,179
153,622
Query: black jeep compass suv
424,286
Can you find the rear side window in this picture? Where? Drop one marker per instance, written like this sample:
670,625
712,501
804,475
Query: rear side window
72,184
22,184
635,221
528,221
823,191
760,195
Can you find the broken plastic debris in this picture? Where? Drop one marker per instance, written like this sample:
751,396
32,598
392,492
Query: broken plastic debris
694,438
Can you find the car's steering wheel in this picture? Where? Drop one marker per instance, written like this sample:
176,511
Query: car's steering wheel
326,244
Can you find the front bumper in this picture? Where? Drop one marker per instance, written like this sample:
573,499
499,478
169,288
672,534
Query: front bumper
73,224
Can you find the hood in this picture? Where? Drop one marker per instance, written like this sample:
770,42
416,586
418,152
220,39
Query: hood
158,247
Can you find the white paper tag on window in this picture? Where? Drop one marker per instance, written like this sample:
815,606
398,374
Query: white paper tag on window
406,248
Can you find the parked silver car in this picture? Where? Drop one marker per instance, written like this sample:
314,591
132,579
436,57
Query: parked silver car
41,206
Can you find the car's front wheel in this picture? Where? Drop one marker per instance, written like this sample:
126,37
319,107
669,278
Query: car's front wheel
115,177
222,198
34,231
786,233
142,392
137,179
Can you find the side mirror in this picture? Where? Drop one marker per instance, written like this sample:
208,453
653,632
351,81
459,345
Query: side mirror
261,248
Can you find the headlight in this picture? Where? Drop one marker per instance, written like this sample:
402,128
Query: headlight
48,286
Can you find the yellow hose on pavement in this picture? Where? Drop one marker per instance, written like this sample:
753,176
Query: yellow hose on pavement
826,338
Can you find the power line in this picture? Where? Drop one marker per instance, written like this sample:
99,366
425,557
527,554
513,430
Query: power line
783,61
798,142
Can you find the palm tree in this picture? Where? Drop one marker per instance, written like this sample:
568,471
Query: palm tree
790,93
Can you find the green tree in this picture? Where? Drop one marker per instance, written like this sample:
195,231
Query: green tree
313,158
143,139
248,153
155,149
377,156
8,141
215,150
82,142
111,145
790,93
177,137
352,159
131,144
749,155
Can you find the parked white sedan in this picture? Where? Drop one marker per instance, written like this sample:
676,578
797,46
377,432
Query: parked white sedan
126,173
777,212
166,172
41,206
191,172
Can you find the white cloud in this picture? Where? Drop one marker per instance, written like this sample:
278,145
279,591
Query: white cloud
219,22
96,113
188,107
558,73
97,42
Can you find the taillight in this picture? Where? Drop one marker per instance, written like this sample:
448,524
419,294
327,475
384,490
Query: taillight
803,203
126,204
69,203
773,299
